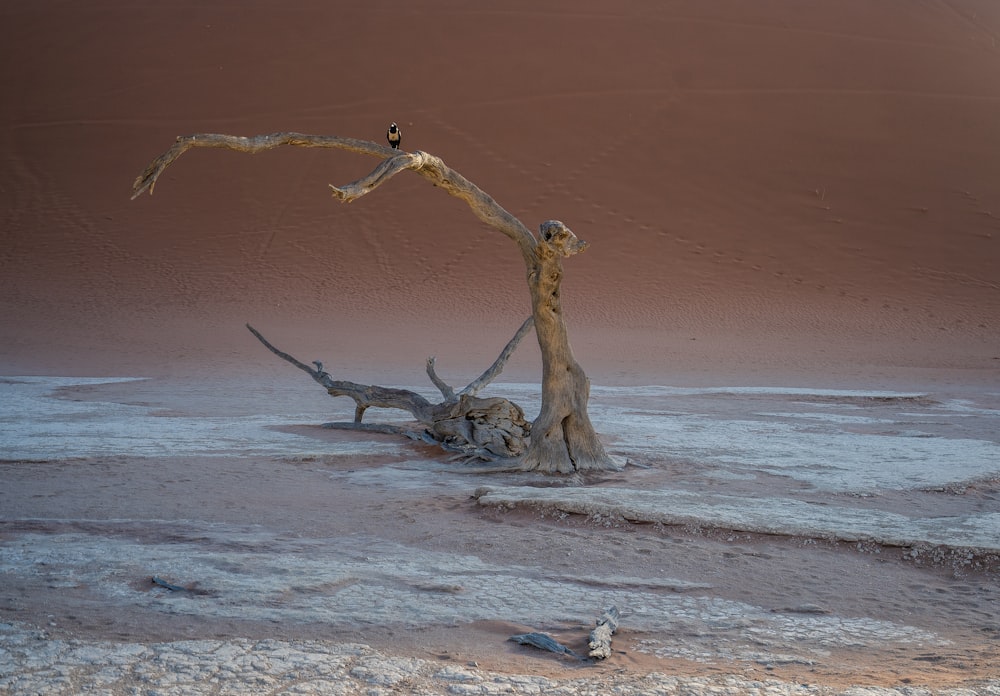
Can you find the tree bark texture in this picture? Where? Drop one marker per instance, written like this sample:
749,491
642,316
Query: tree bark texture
563,439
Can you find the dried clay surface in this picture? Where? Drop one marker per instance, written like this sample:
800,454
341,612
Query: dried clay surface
291,556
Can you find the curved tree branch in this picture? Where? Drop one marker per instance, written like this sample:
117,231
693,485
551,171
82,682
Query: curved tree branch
491,373
385,170
441,175
496,368
428,166
446,391
253,145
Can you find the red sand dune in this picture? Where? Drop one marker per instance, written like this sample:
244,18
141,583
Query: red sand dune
773,190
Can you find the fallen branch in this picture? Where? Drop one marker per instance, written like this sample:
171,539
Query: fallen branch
492,429
365,396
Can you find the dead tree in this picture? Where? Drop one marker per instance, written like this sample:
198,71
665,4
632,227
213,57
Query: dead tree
563,439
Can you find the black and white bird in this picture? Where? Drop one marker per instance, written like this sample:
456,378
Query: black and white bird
394,136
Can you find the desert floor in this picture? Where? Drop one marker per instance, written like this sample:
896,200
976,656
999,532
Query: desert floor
826,537
788,311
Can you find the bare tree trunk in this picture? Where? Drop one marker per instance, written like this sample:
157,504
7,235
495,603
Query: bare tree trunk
563,439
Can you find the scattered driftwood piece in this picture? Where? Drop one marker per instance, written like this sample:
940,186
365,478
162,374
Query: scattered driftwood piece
543,641
600,637
489,429
170,586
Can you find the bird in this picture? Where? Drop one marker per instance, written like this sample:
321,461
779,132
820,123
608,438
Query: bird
394,136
